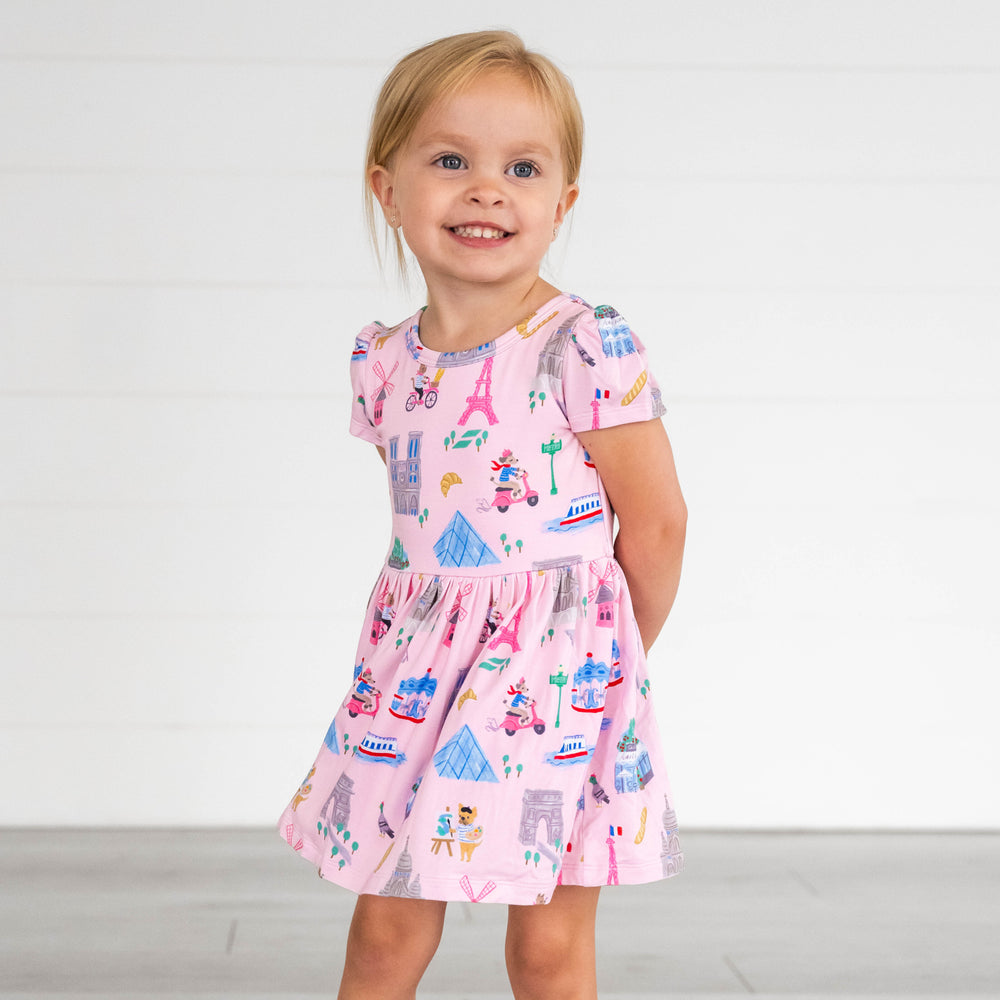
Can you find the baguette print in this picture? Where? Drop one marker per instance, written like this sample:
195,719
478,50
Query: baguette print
642,826
636,389
384,856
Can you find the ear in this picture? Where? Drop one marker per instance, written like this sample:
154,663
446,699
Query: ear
380,182
566,202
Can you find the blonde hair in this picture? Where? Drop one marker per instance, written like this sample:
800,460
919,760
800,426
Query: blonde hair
446,66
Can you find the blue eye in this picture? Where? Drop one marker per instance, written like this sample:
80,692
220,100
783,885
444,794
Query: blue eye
524,170
450,162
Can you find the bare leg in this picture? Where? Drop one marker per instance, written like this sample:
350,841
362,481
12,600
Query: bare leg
389,946
551,953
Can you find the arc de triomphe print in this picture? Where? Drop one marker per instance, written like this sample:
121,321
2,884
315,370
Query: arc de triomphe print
538,804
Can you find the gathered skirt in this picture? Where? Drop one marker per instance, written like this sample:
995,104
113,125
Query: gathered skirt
498,739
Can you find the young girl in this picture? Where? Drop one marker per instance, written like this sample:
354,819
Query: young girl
501,745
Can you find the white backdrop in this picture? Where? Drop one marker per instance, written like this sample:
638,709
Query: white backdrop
796,205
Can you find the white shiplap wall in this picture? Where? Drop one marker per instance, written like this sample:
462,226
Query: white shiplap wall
795,203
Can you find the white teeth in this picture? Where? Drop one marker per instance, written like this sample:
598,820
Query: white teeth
479,233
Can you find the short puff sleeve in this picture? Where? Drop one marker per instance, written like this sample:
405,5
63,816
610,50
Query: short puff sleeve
606,380
362,424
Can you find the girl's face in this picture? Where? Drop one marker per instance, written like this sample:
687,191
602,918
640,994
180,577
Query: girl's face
480,186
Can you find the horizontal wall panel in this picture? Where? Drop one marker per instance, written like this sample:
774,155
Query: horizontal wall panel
880,564
715,33
176,560
180,228
203,229
817,345
297,120
816,125
855,721
110,339
792,236
827,455
137,340
119,672
176,116
154,775
131,450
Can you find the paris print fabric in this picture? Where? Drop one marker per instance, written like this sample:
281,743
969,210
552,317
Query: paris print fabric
498,737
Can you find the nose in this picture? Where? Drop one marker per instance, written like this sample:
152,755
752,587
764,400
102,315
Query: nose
491,198
484,189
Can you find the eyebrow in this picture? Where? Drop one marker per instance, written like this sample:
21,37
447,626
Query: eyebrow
444,140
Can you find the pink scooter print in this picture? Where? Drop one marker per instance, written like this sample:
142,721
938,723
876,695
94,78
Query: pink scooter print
513,722
356,707
503,499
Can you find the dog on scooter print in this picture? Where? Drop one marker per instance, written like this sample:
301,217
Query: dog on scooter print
519,701
507,476
522,712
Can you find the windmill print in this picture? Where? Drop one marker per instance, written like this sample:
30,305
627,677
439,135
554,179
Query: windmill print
603,595
384,390
455,615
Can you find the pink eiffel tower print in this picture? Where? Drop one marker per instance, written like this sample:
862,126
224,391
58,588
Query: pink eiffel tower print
481,399
595,404
509,635
612,861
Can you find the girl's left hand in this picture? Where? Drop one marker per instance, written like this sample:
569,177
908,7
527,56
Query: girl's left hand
636,465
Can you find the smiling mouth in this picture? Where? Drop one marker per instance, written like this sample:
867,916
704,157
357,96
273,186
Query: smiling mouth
480,232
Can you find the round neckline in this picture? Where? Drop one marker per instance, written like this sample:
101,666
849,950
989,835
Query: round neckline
419,351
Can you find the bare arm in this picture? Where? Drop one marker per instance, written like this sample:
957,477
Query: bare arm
636,463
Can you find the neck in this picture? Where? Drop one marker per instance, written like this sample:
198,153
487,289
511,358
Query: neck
459,319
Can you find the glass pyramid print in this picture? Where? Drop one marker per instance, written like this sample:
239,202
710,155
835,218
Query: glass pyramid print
461,545
331,738
462,757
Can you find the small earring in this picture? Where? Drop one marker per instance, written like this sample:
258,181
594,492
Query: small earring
555,232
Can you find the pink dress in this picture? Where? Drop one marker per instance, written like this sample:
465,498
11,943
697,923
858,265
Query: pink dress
499,736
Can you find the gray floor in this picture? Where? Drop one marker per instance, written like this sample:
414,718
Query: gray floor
199,914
